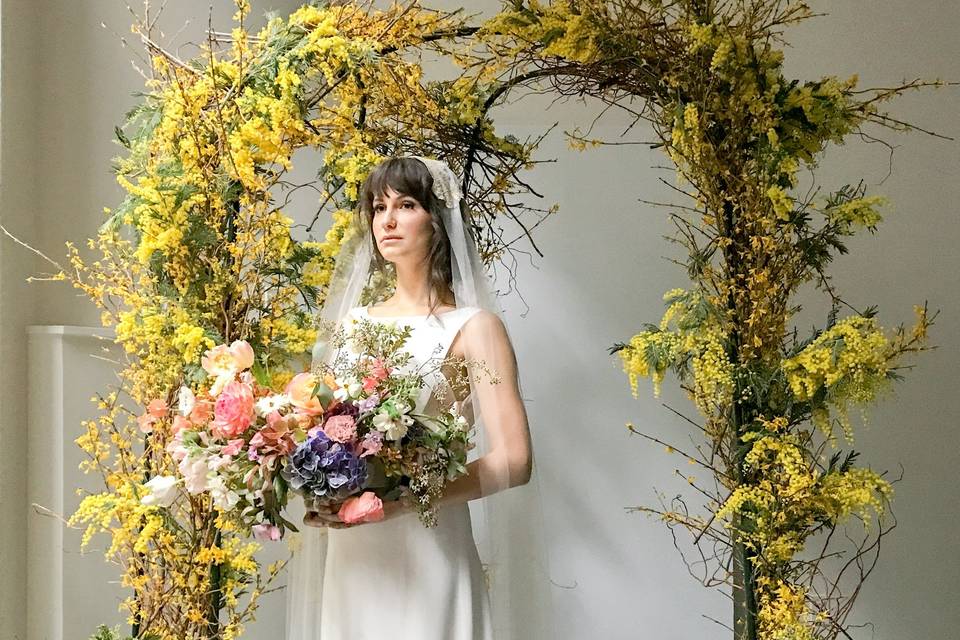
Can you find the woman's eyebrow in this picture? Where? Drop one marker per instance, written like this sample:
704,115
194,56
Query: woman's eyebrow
379,199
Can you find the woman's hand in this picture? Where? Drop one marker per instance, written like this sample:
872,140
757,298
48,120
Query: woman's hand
321,514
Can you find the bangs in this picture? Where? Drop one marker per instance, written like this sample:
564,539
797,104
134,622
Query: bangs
407,176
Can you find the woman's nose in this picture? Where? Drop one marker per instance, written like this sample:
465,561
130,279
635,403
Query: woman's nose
390,219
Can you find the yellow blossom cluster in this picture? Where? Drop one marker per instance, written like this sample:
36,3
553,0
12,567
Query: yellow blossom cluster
562,32
860,491
858,212
782,611
786,497
695,339
649,354
782,203
686,139
848,362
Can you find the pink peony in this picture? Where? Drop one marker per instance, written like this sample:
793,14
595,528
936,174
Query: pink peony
365,508
341,428
233,412
266,532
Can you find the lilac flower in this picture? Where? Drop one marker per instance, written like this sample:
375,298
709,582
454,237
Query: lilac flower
368,404
371,444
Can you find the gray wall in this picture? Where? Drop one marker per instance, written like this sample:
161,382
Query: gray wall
66,81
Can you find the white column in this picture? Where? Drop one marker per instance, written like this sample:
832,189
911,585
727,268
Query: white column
66,590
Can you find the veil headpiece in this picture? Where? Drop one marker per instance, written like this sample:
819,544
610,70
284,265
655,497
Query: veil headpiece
507,520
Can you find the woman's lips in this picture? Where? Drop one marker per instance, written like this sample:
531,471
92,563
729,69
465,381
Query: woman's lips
391,239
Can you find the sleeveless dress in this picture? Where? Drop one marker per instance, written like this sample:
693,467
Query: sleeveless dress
396,578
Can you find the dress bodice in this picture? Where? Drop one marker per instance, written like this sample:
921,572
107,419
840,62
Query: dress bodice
429,343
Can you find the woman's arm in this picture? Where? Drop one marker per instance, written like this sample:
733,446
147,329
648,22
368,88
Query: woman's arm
508,462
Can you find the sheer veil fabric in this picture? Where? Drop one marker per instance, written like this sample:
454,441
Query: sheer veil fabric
508,524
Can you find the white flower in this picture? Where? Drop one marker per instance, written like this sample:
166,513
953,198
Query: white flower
393,429
462,423
194,471
186,400
268,404
223,497
349,388
214,462
162,491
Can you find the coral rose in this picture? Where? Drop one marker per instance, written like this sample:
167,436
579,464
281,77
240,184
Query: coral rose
365,508
300,391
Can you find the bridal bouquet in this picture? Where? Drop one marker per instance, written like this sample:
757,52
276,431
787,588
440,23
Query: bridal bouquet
343,435
366,445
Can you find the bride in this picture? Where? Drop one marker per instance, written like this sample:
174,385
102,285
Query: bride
478,575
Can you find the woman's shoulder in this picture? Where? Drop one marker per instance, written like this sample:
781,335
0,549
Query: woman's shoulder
480,319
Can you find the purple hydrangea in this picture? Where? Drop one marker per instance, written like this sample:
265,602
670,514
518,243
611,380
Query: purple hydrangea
320,467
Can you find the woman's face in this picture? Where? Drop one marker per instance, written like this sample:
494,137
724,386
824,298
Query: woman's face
401,227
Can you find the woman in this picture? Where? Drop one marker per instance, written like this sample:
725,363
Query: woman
394,577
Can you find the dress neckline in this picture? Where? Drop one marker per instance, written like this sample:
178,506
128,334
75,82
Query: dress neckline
366,312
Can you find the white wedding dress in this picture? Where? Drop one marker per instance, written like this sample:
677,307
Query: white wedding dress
396,578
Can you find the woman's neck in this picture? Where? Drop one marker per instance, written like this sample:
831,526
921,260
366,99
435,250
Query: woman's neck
413,292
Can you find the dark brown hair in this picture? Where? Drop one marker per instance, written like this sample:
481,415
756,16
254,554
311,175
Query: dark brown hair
410,177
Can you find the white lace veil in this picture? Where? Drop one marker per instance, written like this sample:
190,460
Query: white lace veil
507,520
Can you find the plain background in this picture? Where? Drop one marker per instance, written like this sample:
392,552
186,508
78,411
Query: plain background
65,82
